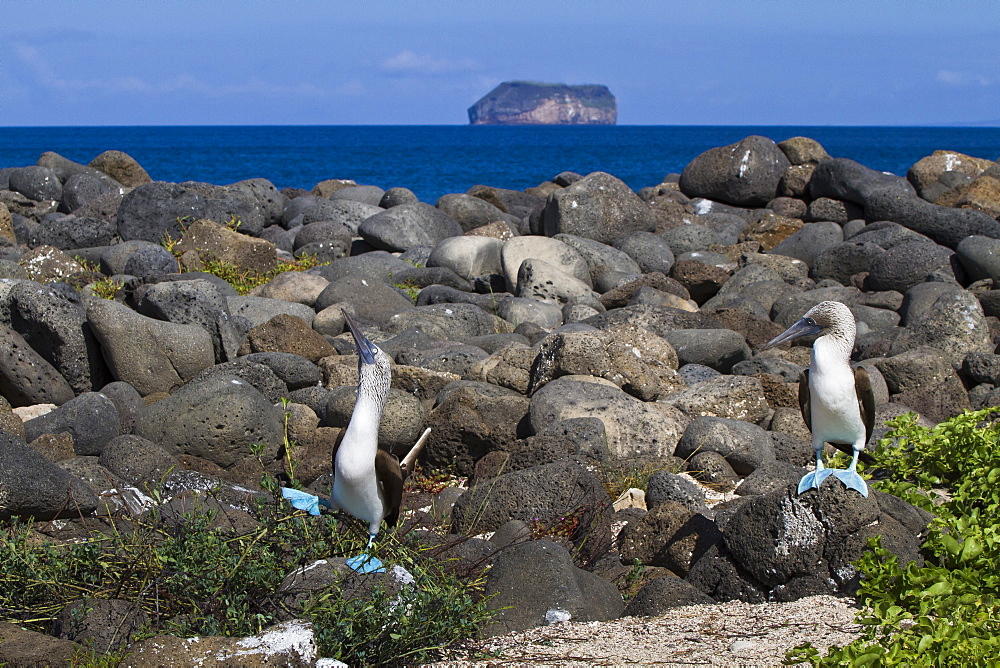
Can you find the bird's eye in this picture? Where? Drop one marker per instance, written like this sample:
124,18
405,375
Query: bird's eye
810,321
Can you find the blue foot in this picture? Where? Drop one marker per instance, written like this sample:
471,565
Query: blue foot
812,479
301,500
851,480
365,563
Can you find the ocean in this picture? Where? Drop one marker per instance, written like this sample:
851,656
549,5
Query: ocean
436,160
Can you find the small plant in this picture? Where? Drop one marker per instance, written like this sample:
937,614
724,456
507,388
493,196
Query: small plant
411,289
106,288
433,482
946,612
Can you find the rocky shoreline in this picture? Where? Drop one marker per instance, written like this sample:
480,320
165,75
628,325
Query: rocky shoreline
561,342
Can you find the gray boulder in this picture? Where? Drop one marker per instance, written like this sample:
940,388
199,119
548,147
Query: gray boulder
193,303
717,348
651,252
53,322
664,487
909,263
634,428
660,595
744,445
80,189
536,584
33,487
471,212
945,225
598,207
152,210
808,243
600,258
407,226
371,195
373,301
742,174
171,354
217,419
91,419
735,397
981,257
843,179
552,251
258,310
955,325
73,232
268,199
455,322
140,258
841,261
36,183
26,377
670,536
468,256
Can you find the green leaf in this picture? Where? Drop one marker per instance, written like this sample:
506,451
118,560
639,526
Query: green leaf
972,548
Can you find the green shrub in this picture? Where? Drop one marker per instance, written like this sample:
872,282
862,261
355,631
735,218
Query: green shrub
194,578
947,612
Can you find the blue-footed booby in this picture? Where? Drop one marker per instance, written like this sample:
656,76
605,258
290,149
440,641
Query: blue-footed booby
837,401
367,481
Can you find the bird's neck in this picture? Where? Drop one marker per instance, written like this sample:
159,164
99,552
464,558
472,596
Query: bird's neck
361,440
832,351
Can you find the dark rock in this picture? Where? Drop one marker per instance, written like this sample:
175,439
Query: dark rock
535,583
651,252
222,417
454,322
598,207
669,535
945,225
53,321
690,238
26,378
981,257
35,487
408,225
770,477
841,261
660,595
666,487
843,179
90,418
743,174
906,264
717,348
808,243
744,445
260,376
712,470
143,259
529,495
396,196
155,209
137,460
171,355
366,194
194,302
127,402
36,183
295,371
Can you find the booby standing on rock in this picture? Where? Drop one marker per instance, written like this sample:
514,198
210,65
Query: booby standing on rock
367,481
837,401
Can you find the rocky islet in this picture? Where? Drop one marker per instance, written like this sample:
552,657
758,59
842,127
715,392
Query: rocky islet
553,339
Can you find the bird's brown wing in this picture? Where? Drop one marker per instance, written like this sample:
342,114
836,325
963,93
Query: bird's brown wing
866,400
336,447
388,473
804,398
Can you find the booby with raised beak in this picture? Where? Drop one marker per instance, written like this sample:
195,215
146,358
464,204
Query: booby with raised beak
367,481
837,401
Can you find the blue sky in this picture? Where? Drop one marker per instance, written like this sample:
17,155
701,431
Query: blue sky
696,62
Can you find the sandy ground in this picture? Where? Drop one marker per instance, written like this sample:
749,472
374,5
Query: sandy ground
725,634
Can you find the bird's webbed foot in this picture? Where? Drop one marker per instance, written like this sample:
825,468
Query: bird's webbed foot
365,563
852,480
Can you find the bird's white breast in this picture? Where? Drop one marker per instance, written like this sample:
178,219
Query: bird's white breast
834,409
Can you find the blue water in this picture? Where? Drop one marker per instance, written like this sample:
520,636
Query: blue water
435,160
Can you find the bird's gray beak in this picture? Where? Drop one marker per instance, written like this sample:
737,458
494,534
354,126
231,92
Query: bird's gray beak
800,328
366,349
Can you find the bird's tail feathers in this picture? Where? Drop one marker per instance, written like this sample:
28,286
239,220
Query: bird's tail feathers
410,460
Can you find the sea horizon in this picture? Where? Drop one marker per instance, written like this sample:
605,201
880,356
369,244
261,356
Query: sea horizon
433,160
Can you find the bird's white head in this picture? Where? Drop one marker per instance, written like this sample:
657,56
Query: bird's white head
373,364
825,319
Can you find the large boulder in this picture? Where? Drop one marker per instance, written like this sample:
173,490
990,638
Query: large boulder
171,353
26,377
535,584
945,225
743,174
218,419
156,209
32,486
598,207
408,226
844,179
634,428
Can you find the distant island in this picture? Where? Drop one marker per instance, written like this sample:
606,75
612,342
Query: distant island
531,103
